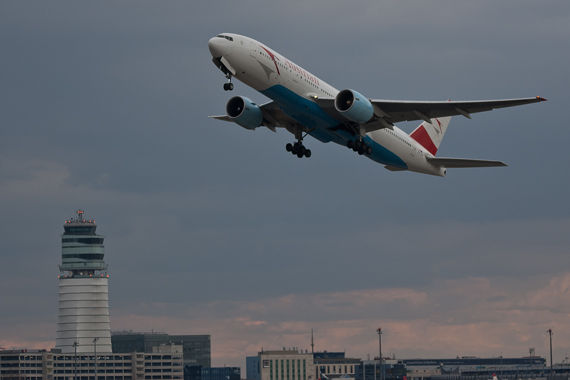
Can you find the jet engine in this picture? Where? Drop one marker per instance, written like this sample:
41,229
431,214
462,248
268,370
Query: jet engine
244,112
354,106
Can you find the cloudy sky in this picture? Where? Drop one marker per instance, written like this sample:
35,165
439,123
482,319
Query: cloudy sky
213,229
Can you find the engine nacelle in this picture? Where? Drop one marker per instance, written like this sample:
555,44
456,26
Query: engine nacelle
244,112
354,106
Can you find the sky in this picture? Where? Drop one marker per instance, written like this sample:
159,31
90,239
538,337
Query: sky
213,229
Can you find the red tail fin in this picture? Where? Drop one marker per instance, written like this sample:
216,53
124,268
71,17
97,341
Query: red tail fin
429,135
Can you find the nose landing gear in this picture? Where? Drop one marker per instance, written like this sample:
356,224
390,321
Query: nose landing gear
229,85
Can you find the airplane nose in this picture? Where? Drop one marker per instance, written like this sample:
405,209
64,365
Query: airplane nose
214,44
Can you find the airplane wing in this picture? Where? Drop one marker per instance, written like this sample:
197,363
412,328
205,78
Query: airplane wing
388,112
273,117
463,162
399,110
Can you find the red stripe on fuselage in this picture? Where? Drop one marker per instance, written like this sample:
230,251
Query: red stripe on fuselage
273,58
422,137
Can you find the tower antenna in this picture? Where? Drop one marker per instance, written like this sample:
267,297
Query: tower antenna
312,342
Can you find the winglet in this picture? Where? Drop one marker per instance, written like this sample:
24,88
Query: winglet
541,99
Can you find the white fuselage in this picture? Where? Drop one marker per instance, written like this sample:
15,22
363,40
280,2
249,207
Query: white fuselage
295,89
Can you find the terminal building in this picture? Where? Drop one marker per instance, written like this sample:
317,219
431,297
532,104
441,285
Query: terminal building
333,365
196,372
278,365
530,366
164,363
196,348
287,364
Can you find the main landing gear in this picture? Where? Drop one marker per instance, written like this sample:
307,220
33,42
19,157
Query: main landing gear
229,85
298,149
359,146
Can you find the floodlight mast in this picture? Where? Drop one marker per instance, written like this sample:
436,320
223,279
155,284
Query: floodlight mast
379,331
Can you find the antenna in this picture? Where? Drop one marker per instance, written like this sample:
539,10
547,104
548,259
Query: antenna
312,342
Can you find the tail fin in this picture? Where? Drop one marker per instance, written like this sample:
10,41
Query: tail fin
429,135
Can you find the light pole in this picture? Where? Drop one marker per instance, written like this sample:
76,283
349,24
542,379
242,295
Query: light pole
549,331
75,344
95,354
379,331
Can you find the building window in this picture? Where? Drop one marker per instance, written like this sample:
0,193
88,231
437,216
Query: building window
293,369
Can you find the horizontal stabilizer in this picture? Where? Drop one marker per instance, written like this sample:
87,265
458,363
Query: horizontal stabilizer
222,117
463,162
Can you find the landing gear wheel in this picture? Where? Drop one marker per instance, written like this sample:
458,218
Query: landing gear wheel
297,148
228,86
359,146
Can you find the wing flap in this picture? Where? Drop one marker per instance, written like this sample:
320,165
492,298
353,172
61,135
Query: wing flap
449,162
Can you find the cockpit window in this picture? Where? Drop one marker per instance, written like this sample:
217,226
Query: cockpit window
226,37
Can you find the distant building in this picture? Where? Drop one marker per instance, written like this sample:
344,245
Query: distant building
192,372
196,348
221,373
473,366
389,369
286,365
252,371
331,365
164,363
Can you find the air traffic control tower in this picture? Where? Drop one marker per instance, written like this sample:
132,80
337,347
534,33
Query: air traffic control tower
83,319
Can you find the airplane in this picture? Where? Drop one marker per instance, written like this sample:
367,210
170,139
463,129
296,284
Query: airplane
304,105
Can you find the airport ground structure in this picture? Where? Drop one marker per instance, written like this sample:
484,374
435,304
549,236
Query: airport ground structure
335,366
196,372
85,348
287,364
83,312
474,368
164,363
196,348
